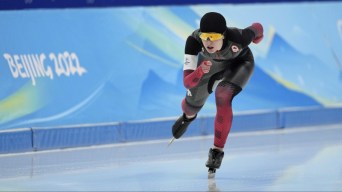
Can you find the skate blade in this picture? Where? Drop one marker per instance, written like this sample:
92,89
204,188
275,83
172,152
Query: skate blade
171,141
211,173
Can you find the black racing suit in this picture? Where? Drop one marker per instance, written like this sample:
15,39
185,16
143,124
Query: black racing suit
233,64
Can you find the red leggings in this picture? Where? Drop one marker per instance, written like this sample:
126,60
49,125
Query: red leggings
224,114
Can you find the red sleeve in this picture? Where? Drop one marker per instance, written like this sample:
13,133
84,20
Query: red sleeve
192,77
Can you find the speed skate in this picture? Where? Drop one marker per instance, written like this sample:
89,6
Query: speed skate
215,157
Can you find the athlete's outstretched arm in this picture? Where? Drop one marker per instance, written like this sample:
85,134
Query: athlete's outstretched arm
253,33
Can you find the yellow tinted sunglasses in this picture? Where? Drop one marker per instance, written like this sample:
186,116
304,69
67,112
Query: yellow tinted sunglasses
211,36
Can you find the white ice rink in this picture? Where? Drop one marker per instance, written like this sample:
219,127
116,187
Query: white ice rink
294,159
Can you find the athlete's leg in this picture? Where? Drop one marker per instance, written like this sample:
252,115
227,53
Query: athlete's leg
224,95
190,106
235,78
190,110
233,82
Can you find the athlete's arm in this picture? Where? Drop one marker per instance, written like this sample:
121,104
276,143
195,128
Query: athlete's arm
253,33
258,31
192,74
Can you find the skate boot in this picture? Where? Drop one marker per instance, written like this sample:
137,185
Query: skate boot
215,157
180,126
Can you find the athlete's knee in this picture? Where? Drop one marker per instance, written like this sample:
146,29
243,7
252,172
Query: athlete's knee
223,95
225,92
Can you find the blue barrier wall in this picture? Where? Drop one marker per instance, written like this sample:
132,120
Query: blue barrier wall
45,138
17,140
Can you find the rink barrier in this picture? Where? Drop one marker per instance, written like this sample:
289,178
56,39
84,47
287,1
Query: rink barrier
45,138
16,140
297,117
74,136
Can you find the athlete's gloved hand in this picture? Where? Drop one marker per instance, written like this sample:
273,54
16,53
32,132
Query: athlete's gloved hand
205,66
259,32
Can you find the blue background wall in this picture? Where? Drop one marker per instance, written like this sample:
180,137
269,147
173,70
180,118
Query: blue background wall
95,65
116,64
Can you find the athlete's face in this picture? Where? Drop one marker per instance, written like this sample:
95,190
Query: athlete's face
212,46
